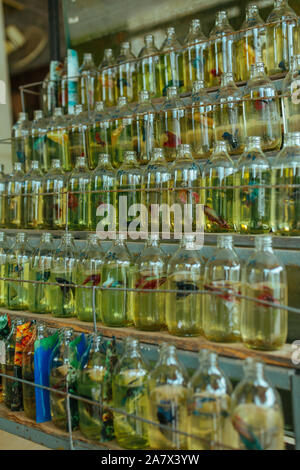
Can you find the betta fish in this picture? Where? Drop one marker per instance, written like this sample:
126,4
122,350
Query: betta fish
95,278
196,63
247,437
251,194
232,140
149,282
183,196
172,140
185,286
260,104
266,295
66,286
214,73
72,202
282,66
215,218
20,157
122,82
99,140
45,276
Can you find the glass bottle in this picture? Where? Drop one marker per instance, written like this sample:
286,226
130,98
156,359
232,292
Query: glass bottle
39,129
222,49
51,88
168,394
41,265
88,275
79,196
222,311
280,40
156,179
251,46
78,135
29,403
62,378
208,404
172,126
58,140
185,275
145,128
107,78
228,115
9,365
130,396
5,251
15,199
129,185
195,55
3,196
121,132
253,197
55,197
99,134
286,199
126,73
184,173
256,411
149,307
88,82
62,292
18,270
262,109
290,100
20,140
200,126
170,64
103,178
218,179
117,273
33,197
264,278
64,87
148,67
94,383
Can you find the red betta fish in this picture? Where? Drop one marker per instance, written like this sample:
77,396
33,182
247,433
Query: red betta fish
173,141
149,282
213,217
94,277
183,196
72,201
266,295
99,140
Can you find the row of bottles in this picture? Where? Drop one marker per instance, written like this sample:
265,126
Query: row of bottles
250,195
218,299
159,407
198,58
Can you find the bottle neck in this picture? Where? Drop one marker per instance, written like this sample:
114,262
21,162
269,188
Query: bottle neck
88,61
208,359
23,117
99,107
46,238
168,355
41,331
263,243
149,41
221,20
67,240
38,115
227,80
220,147
21,238
252,14
58,112
130,158
257,71
198,87
225,241
56,164
80,163
158,156
253,143
280,4
132,348
295,63
184,153
292,139
172,93
93,241
253,370
108,55
188,242
144,97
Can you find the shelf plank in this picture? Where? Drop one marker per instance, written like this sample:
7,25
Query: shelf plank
280,358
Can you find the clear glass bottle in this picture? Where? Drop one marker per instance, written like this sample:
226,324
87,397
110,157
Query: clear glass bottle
151,275
184,173
121,132
39,129
62,292
41,265
218,180
145,128
130,395
253,196
256,412
290,100
103,178
208,404
79,196
88,275
9,365
18,270
286,198
88,82
55,197
117,273
170,64
33,197
156,180
58,140
200,128
280,37
64,87
5,251
126,82
264,278
195,56
107,78
172,125
251,46
78,135
168,394
29,403
148,67
52,87
99,134
221,55
3,196
15,199
129,185
185,275
62,377
20,140
262,109
228,115
222,311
